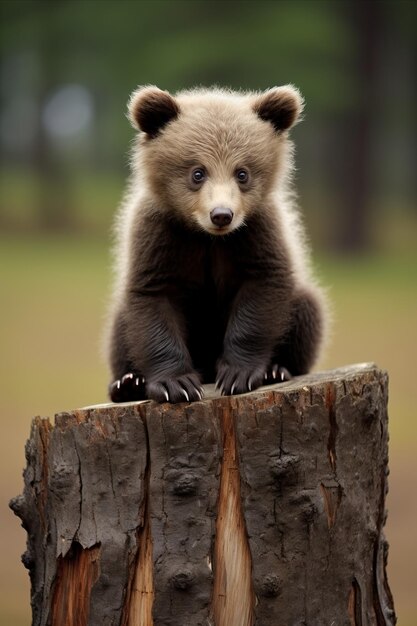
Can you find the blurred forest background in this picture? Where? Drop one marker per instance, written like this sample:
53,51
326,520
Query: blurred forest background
67,69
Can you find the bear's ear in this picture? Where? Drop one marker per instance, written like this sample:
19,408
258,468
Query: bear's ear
281,106
150,109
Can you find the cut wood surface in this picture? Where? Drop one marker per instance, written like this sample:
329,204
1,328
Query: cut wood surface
266,508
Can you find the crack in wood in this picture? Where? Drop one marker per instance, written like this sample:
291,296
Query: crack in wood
233,594
331,442
81,487
44,430
332,497
382,598
140,586
76,574
355,604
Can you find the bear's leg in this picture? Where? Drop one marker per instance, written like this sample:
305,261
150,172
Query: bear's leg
150,333
128,385
296,352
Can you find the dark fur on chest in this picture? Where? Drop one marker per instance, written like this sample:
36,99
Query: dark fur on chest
207,285
198,309
201,275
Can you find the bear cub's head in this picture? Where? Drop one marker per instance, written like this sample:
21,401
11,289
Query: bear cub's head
212,157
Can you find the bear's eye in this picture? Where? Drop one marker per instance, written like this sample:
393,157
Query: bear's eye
242,176
198,175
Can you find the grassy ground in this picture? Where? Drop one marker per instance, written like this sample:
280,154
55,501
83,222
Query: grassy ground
54,293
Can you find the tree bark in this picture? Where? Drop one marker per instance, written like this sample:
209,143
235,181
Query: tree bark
266,508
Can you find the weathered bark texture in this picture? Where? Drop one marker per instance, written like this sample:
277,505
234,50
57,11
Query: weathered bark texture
266,508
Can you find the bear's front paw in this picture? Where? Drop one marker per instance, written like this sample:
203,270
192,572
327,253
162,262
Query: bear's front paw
185,388
234,379
129,388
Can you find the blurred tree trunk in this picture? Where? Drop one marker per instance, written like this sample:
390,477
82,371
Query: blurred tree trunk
52,200
52,203
351,162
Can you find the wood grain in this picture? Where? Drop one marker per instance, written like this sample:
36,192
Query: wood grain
264,508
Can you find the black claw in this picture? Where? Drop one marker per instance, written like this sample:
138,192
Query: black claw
283,374
129,388
276,374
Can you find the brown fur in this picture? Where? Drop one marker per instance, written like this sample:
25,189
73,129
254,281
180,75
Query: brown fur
195,302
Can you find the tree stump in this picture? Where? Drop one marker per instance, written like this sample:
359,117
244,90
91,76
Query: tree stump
266,508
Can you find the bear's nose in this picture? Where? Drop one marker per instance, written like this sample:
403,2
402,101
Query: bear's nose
220,216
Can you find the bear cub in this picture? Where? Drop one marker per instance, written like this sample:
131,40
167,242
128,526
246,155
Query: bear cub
212,276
